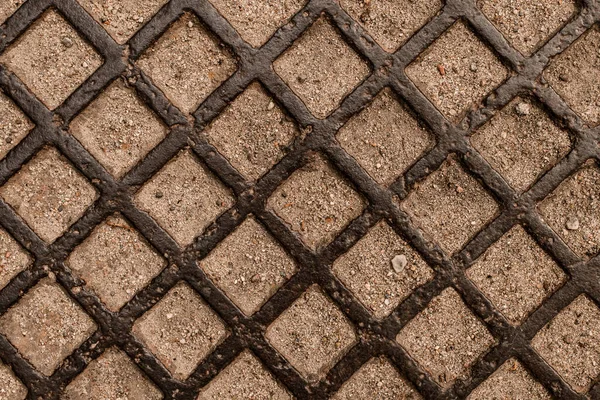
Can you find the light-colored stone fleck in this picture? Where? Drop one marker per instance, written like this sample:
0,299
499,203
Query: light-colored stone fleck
365,269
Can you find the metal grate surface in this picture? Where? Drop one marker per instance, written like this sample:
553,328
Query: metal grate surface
377,337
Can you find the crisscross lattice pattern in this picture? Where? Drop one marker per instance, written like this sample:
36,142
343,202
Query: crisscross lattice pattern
375,336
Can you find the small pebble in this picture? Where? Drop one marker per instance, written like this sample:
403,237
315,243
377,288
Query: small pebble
399,262
190,24
474,67
67,42
159,195
271,106
523,109
572,224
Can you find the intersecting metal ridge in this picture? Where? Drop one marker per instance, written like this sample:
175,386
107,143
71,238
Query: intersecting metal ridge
376,337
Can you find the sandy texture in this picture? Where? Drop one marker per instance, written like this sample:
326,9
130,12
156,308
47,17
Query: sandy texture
13,259
122,18
118,129
376,380
573,75
184,197
316,202
366,269
257,21
14,125
457,71
570,343
7,7
11,388
244,378
180,330
385,138
187,63
249,265
527,24
521,142
391,22
510,381
52,59
516,274
312,334
46,326
321,68
445,338
252,133
116,262
49,194
112,376
573,211
443,205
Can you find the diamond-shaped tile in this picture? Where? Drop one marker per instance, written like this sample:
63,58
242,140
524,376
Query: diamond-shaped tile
312,334
118,129
527,24
115,262
516,274
443,205
188,63
572,74
316,202
385,138
184,197
573,211
14,125
13,259
252,132
11,388
122,18
52,59
377,380
249,265
181,330
244,378
570,343
457,71
257,21
510,381
521,142
49,194
46,325
366,269
111,376
7,8
392,22
446,338
321,68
